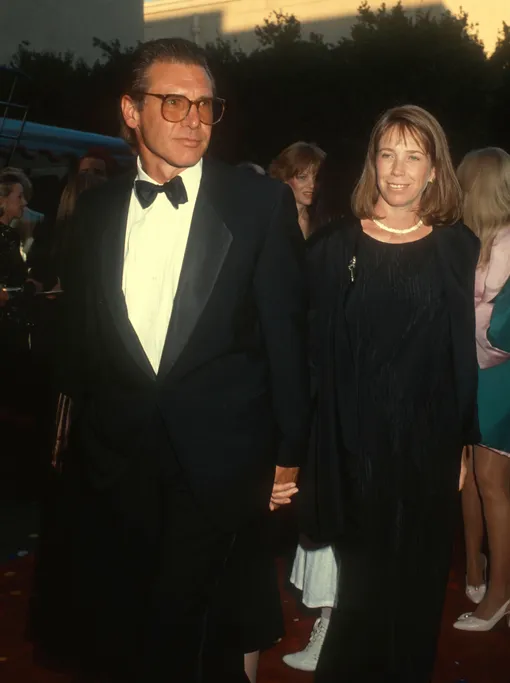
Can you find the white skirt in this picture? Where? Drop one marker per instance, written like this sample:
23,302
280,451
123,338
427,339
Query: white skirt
315,572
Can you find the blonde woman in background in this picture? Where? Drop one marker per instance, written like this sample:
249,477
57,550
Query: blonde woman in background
485,179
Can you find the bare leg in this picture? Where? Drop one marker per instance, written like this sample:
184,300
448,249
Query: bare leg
473,524
492,472
251,665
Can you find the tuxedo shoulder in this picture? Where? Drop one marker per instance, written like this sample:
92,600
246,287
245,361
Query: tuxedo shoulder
458,234
459,230
241,182
334,232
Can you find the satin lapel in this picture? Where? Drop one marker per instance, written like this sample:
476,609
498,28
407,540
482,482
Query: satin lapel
208,244
112,263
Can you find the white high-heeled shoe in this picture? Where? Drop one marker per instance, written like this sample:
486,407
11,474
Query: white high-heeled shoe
477,593
468,622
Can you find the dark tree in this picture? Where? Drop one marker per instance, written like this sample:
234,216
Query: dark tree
295,87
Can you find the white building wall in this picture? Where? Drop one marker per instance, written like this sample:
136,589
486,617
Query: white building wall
62,25
205,19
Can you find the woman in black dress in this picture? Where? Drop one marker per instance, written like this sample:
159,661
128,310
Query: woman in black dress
395,361
13,275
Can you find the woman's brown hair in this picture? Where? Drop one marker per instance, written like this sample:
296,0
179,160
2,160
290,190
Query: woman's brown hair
75,186
484,177
441,202
295,159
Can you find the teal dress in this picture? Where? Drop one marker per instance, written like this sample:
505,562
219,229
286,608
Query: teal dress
494,382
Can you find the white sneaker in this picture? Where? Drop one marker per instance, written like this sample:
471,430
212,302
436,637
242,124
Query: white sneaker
307,659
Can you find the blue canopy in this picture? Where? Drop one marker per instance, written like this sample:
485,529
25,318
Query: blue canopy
58,142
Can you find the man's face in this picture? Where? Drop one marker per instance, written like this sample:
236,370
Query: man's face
180,144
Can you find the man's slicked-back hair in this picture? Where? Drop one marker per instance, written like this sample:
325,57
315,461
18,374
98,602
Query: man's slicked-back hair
172,50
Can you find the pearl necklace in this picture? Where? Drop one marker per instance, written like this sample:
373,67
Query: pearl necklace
398,232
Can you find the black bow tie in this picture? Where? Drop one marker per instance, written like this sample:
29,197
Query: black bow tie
174,190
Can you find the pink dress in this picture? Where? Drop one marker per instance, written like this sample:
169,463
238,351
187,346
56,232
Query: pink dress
489,281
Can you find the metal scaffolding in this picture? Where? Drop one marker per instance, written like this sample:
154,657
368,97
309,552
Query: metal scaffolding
21,111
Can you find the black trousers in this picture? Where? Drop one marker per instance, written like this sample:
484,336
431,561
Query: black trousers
146,565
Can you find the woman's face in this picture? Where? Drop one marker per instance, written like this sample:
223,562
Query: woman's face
303,185
403,170
13,204
93,166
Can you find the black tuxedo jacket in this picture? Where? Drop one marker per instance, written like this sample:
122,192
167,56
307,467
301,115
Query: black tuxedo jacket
231,398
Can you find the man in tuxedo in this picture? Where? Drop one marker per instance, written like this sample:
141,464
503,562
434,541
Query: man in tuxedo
186,363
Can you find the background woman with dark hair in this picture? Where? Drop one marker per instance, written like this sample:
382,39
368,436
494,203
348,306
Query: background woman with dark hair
62,237
50,251
395,364
297,166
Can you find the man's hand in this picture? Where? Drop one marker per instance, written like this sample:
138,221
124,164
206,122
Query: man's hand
4,297
284,487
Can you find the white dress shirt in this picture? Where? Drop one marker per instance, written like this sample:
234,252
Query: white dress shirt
156,239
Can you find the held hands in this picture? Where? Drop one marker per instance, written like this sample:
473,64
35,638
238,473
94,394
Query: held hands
284,487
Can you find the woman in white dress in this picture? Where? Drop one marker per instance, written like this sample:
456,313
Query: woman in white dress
315,573
315,568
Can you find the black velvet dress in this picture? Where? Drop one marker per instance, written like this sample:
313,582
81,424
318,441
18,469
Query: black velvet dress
401,485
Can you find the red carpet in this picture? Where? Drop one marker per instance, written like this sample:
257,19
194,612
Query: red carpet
471,657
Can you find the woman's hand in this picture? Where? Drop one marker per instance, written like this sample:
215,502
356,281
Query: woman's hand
281,495
284,486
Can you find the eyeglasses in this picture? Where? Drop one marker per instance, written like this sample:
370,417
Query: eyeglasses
175,108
